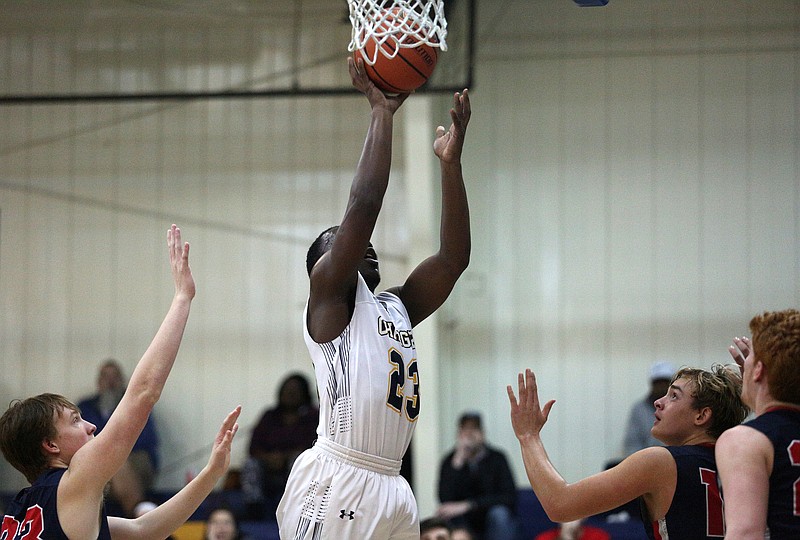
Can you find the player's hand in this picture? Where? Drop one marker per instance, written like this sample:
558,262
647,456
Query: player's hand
449,143
527,418
740,350
220,458
179,263
362,83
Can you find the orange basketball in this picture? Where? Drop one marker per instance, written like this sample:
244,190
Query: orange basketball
406,71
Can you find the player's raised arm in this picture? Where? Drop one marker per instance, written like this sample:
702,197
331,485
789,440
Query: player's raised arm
162,521
649,472
92,466
333,277
430,283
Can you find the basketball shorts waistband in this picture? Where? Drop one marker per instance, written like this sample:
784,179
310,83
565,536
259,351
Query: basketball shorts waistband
359,459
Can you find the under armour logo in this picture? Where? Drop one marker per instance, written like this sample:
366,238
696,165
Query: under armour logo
347,514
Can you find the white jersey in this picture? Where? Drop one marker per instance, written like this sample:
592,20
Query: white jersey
367,377
347,486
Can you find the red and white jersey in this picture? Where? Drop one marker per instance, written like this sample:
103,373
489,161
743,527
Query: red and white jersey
367,377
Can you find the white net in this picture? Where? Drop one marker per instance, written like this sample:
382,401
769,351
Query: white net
407,23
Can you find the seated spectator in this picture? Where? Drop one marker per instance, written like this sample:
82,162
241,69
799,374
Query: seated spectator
221,524
132,482
281,434
574,530
476,487
434,528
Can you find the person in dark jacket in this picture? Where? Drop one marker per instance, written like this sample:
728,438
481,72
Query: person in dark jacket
476,487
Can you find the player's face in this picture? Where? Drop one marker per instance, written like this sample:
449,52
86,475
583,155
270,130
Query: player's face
369,268
72,432
675,414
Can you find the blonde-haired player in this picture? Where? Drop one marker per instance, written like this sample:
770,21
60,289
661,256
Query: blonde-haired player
677,483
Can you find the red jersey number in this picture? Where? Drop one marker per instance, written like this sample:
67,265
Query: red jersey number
30,529
715,521
794,458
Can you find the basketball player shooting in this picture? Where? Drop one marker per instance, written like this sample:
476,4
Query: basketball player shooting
348,484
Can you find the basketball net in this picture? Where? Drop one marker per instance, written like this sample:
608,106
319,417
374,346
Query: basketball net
407,23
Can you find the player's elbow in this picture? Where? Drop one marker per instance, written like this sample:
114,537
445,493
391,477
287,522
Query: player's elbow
558,514
457,261
461,261
145,396
558,509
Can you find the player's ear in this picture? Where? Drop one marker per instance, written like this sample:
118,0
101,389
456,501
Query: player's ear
759,370
703,416
50,447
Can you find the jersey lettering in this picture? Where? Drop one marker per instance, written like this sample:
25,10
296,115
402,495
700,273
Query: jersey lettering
794,458
715,521
396,397
412,403
30,529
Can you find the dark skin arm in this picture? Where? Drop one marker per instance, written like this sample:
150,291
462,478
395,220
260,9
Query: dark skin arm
334,277
430,283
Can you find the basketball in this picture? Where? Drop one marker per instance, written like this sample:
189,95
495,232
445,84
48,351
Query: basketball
403,73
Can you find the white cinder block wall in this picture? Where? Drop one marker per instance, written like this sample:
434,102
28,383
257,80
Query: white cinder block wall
634,174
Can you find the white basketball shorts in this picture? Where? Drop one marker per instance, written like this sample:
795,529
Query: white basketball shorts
337,493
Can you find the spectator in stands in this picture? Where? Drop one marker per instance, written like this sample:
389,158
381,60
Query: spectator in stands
221,524
640,420
461,533
132,482
434,528
476,487
281,434
574,530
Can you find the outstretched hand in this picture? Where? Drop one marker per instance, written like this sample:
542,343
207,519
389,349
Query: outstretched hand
448,143
741,349
179,263
362,83
527,418
220,458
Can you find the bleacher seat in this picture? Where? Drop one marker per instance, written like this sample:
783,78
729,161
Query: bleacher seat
534,520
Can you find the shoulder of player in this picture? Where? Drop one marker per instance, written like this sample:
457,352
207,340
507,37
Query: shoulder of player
741,439
649,463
